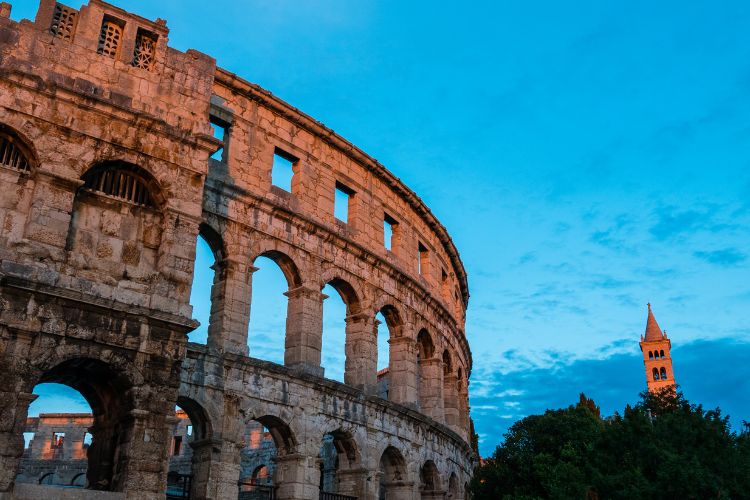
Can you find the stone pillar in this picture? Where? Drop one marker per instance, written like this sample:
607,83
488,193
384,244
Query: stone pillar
304,330
353,482
398,490
431,388
143,455
231,293
361,353
450,401
216,469
403,372
296,477
14,408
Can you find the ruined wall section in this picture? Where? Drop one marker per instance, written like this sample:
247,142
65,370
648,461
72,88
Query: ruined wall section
241,199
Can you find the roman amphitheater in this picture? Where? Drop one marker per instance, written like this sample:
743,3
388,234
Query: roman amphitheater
117,153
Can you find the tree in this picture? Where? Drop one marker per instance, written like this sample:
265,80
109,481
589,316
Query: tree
663,447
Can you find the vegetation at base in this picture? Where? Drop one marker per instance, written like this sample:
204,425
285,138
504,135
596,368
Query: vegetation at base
663,448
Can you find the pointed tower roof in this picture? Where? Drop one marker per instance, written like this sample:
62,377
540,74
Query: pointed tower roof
653,332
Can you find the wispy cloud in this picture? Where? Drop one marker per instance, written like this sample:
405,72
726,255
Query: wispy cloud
727,257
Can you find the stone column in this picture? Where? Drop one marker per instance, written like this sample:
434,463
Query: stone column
450,401
353,482
216,469
403,372
431,388
399,490
361,352
231,293
304,330
14,408
296,477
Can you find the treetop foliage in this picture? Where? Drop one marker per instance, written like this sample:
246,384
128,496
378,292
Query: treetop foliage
663,447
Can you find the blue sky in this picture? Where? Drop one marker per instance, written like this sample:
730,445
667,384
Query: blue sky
586,157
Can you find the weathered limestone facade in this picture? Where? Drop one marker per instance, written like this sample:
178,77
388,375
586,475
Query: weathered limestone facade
105,186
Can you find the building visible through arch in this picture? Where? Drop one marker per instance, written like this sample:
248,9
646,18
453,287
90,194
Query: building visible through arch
116,153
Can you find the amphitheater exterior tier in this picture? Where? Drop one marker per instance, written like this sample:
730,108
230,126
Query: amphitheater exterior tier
117,153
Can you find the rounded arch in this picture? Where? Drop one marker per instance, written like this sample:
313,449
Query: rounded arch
282,435
214,240
663,373
650,354
447,363
348,294
125,181
453,486
655,374
16,150
425,346
346,448
199,419
661,353
286,264
429,477
47,478
392,465
393,319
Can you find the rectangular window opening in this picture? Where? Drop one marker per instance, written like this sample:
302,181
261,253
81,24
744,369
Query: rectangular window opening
390,227
176,445
110,36
424,261
87,439
220,132
58,438
282,170
27,437
342,202
144,54
189,430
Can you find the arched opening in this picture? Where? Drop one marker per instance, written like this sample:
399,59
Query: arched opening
187,461
425,377
80,424
340,310
655,373
650,355
117,227
450,390
430,480
267,439
663,373
392,474
389,327
276,274
202,291
14,153
55,454
453,487
661,354
338,453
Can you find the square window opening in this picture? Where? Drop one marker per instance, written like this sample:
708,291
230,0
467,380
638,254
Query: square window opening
221,132
110,36
342,202
58,439
282,170
87,439
390,227
144,54
27,437
423,263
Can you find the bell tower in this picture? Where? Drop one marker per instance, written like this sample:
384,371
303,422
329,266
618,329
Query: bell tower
656,346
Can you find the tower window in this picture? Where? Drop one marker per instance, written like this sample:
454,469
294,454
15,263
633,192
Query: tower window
663,373
655,373
343,202
650,355
63,22
144,54
282,170
110,36
661,354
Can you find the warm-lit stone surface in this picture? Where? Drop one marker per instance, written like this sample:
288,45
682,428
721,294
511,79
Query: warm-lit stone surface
106,183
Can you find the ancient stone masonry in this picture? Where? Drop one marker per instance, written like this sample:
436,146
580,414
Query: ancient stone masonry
117,153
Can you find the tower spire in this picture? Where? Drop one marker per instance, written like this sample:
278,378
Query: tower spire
656,355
